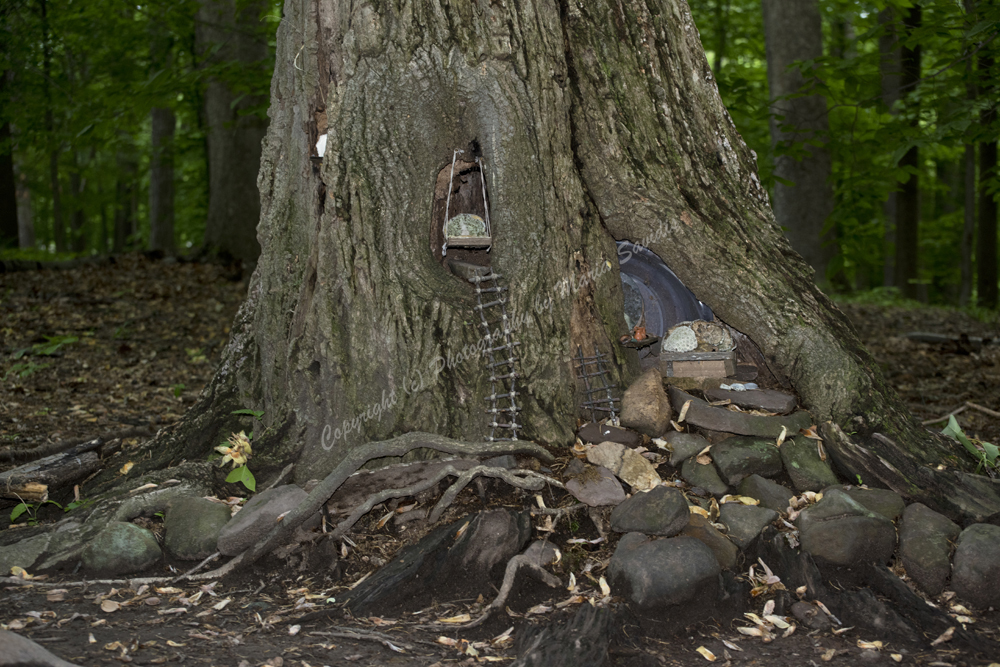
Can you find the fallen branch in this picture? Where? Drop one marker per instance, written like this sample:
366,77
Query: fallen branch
195,568
371,635
985,411
960,409
557,511
352,462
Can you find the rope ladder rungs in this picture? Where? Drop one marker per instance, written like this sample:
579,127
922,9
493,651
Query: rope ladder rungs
503,361
481,306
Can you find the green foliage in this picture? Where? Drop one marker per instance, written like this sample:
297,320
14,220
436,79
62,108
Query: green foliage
242,475
177,389
866,138
83,79
24,369
985,453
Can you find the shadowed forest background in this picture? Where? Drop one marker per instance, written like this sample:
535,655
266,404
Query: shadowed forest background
138,127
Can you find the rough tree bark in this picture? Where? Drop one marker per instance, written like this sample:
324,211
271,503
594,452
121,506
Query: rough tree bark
793,32
227,33
597,121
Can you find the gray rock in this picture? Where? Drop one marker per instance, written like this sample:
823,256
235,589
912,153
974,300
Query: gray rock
595,433
745,522
840,531
645,406
192,527
629,465
684,446
925,538
660,511
18,651
887,503
596,486
705,476
121,548
720,419
655,574
67,543
252,523
768,400
811,616
23,553
977,565
738,458
700,528
771,495
492,538
804,466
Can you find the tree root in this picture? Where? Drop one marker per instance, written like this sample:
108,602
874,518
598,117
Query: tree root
522,479
352,462
518,478
530,559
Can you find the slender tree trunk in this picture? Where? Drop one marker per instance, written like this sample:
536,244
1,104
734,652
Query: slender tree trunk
891,67
25,213
595,121
969,224
8,188
230,34
793,32
125,198
986,243
77,183
908,200
58,226
161,181
721,33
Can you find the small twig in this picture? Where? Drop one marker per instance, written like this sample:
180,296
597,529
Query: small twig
956,411
985,411
195,568
280,477
349,633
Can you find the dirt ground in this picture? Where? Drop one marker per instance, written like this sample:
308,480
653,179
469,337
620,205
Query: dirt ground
126,347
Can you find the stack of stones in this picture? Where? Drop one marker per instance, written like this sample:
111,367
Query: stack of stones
699,502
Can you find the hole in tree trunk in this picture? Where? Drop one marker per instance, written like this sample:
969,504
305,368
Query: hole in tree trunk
467,203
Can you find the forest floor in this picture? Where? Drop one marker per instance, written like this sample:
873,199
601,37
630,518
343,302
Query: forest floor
125,348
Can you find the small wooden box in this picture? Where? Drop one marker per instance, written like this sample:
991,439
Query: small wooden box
698,364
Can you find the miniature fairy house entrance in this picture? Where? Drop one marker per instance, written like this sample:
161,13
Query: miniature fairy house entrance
460,218
461,239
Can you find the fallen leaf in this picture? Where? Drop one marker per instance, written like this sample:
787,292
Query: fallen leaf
152,602
730,645
539,609
898,657
447,641
294,629
461,618
876,646
705,653
753,632
171,642
219,606
20,573
605,589
695,509
125,468
810,432
828,655
110,606
56,595
90,638
944,637
684,411
113,646
781,436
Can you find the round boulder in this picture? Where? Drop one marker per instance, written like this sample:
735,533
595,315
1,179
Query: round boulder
121,548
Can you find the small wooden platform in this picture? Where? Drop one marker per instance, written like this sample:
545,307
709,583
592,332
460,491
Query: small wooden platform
698,364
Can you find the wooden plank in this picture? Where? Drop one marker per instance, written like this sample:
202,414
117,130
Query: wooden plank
32,492
53,471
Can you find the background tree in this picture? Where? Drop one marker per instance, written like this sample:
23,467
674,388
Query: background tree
803,195
230,33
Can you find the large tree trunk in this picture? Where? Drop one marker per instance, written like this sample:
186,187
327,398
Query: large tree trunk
596,121
8,190
803,195
227,35
890,71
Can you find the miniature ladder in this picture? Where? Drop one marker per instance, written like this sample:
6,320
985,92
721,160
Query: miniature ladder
594,368
500,359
